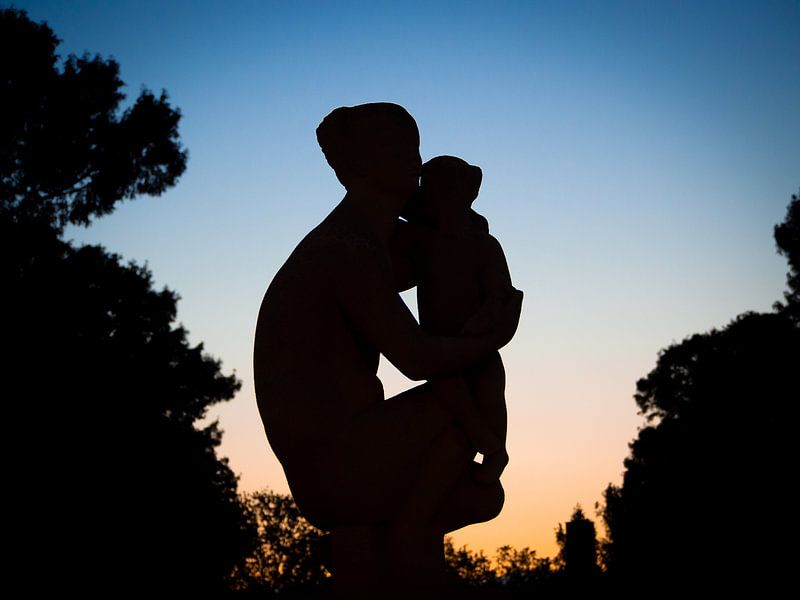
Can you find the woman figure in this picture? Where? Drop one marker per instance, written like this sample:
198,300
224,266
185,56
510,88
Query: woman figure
399,467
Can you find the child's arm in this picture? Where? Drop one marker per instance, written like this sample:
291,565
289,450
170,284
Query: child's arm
494,276
495,284
478,221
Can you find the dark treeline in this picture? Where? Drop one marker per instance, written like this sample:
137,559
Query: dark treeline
707,480
113,486
292,559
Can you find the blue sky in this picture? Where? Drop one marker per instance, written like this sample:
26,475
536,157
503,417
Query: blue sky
636,156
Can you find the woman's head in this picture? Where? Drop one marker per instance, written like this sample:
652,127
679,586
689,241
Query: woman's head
377,143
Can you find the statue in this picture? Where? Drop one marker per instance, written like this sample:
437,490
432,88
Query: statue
388,477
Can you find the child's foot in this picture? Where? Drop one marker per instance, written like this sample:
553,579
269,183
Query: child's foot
492,467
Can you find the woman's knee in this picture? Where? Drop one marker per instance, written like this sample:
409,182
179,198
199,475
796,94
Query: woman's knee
494,498
470,503
486,501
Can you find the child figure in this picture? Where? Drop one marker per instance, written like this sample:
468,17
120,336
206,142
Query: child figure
462,277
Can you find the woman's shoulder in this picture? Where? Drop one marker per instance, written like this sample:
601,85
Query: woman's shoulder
338,233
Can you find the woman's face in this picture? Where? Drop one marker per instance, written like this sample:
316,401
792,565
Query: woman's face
390,160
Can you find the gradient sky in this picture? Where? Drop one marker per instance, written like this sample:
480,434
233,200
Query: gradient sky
636,156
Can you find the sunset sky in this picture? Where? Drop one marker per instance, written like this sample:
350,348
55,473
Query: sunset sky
636,156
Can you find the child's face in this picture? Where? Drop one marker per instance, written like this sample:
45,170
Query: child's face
449,186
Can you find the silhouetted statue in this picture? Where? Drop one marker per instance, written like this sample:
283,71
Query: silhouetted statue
460,269
389,477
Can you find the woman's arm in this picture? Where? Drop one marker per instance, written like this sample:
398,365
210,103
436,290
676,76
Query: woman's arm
366,293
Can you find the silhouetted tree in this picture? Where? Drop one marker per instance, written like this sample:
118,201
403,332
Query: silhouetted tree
787,239
521,569
578,569
288,556
578,547
472,569
111,484
513,570
66,152
706,476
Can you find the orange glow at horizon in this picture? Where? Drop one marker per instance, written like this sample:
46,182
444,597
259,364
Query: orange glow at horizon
563,440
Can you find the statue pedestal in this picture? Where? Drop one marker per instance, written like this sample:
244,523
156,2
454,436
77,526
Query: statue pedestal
360,561
372,562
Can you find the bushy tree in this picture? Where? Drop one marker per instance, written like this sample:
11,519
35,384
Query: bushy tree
468,567
112,485
521,569
290,552
706,474
512,569
577,543
67,152
787,239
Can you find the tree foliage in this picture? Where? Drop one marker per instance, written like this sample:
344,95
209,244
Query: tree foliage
104,399
787,239
578,546
470,568
713,462
289,553
67,153
510,568
521,568
292,556
116,486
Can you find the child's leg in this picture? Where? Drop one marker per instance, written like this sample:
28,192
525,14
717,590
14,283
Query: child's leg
454,395
487,384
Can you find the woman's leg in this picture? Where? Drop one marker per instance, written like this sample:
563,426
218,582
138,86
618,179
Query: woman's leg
402,464
399,458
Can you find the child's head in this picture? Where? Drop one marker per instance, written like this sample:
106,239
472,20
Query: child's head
449,186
